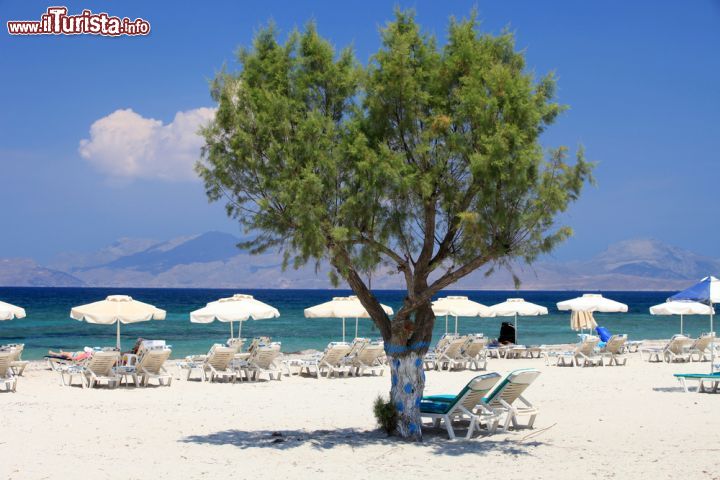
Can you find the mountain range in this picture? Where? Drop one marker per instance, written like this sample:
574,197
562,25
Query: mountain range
213,260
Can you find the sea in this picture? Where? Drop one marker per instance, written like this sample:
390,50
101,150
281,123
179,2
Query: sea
48,324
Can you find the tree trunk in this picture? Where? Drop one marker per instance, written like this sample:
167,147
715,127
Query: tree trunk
408,384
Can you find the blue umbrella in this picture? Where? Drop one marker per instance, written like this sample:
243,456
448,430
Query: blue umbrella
706,291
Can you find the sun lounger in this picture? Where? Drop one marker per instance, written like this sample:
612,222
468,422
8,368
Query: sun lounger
701,347
584,354
474,352
712,378
17,364
432,356
449,355
330,360
214,365
263,360
99,368
7,379
676,350
368,359
151,366
450,408
614,350
507,398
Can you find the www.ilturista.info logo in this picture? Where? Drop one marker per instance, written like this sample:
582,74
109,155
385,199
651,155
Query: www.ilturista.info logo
56,21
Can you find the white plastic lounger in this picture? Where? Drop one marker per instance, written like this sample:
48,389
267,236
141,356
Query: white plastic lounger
614,350
474,352
432,356
711,378
151,366
451,408
584,354
7,379
17,364
329,361
100,369
368,359
217,364
700,348
505,396
451,356
263,360
676,350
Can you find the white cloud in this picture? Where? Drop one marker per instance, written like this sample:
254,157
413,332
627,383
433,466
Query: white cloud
127,145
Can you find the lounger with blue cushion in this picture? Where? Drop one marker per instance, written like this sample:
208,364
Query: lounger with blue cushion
503,400
701,378
463,405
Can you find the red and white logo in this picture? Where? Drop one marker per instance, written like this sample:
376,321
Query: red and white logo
56,21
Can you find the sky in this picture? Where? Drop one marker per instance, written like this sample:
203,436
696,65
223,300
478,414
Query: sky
97,134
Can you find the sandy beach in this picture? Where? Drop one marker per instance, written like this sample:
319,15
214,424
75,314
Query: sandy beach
609,422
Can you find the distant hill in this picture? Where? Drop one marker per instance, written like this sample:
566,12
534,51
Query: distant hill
213,260
205,248
638,264
23,272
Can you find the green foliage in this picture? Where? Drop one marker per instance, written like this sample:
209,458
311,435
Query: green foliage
386,414
427,161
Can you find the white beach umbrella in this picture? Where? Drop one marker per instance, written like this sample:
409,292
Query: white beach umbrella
589,303
458,306
342,307
592,302
117,309
237,308
517,307
681,308
8,312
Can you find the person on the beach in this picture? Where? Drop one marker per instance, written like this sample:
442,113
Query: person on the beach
86,353
136,348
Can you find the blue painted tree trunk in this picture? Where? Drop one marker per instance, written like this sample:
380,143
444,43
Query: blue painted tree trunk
408,384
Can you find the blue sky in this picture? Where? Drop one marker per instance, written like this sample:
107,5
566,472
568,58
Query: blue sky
641,79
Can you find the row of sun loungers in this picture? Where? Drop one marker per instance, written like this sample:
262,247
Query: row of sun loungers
588,354
681,349
485,400
107,367
453,352
340,358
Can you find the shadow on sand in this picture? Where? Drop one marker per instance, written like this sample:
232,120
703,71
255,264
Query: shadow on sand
327,439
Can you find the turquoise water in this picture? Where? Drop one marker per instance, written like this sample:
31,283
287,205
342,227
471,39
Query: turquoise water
48,324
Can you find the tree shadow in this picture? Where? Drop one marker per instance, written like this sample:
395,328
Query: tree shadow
327,439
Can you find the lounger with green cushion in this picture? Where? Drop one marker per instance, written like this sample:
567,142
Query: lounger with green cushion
503,398
452,407
701,378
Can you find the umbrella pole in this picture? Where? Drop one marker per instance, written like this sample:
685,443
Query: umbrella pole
356,327
343,329
118,335
516,331
231,330
456,325
446,324
681,324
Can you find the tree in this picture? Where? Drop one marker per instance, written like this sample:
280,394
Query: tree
426,162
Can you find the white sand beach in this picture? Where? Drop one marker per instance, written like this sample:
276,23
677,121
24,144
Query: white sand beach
603,422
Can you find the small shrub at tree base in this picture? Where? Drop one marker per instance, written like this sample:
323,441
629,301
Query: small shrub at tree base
385,414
